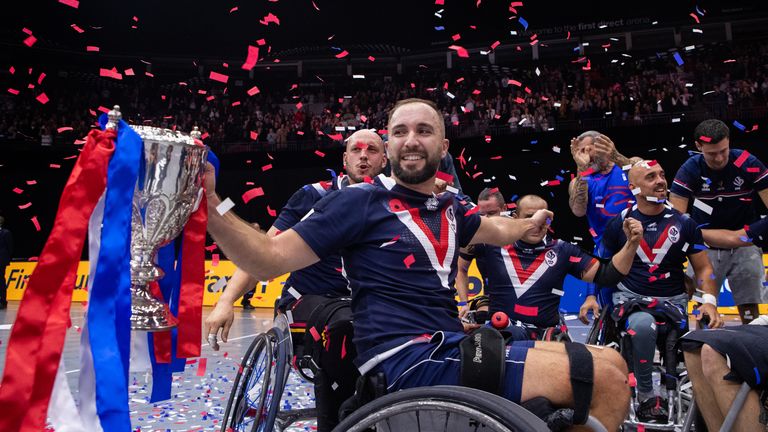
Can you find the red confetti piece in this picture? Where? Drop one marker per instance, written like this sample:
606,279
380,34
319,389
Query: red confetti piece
215,76
31,182
254,135
35,222
72,3
495,44
266,167
473,210
299,105
13,91
477,174
592,232
445,177
270,18
741,159
253,91
41,78
29,41
92,48
653,268
54,166
271,212
234,104
587,172
653,303
574,259
211,248
440,2
344,347
253,57
409,260
461,51
233,9
526,310
753,170
632,380
456,37
695,18
553,183
261,42
371,58
110,73
253,193
201,366
315,335
495,157
319,153
25,206
18,191
705,139
335,137
42,98
214,260
631,332
342,54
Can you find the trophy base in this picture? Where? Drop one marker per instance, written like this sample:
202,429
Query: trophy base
149,314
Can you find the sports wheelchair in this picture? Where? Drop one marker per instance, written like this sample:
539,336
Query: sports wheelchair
255,402
682,412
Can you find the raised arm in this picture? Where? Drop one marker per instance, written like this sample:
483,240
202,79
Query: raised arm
577,189
621,260
501,230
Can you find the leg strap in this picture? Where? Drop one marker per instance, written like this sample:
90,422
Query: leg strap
582,379
483,360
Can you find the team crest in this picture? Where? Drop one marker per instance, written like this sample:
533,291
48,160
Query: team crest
674,234
738,182
550,258
432,203
451,218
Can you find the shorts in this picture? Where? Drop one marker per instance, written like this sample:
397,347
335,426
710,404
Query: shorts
438,363
748,360
743,267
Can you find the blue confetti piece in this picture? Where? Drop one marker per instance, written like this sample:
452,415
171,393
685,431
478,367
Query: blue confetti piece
765,284
535,142
757,377
577,48
333,173
678,59
514,198
739,126
701,247
439,28
559,178
696,312
523,22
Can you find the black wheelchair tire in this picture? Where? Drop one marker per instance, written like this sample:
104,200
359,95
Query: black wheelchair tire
501,414
273,390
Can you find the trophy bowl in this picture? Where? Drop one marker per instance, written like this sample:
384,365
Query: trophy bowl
168,190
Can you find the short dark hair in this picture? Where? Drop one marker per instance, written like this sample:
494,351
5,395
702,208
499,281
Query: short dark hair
494,193
713,129
429,103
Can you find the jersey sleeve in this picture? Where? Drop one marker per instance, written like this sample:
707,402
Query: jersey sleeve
330,227
611,236
578,260
682,185
693,236
297,207
755,170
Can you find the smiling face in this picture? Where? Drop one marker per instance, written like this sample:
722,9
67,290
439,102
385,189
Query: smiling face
649,178
416,144
364,156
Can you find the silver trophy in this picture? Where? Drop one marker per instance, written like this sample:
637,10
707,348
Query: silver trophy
167,192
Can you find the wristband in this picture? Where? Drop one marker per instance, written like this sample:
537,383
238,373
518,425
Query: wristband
462,303
709,298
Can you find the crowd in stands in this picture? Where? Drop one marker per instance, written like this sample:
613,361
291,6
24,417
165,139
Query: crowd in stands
718,78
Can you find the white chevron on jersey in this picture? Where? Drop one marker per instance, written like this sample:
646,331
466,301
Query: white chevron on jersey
427,240
656,255
522,286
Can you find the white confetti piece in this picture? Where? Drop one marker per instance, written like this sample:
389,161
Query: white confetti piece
225,206
292,291
558,292
219,285
706,208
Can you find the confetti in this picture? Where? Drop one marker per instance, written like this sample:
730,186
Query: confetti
266,167
215,76
342,54
30,40
523,22
371,58
251,194
531,311
445,177
214,260
25,206
72,3
201,366
319,153
461,51
253,91
225,206
741,159
35,222
13,91
219,285
408,261
92,48
271,212
18,191
678,59
253,57
270,18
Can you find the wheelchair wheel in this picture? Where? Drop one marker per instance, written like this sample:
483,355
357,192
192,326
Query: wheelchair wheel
273,389
248,396
441,408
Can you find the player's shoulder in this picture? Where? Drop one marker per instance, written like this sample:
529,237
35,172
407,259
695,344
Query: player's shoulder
692,164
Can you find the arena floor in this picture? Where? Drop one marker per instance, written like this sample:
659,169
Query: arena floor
198,402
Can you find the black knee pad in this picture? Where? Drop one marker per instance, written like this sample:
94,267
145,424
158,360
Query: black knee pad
582,370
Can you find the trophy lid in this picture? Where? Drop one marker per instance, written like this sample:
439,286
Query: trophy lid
161,134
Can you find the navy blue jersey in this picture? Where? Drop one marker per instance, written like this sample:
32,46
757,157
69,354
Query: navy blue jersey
729,192
526,281
668,239
608,195
399,249
326,276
